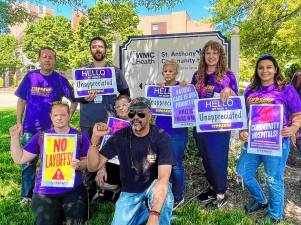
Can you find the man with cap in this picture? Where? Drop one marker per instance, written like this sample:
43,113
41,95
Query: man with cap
146,159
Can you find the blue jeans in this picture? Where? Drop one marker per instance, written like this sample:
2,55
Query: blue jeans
178,143
130,208
274,167
28,171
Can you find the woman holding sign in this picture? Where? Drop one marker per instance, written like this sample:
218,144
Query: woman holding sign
268,86
178,136
214,80
59,193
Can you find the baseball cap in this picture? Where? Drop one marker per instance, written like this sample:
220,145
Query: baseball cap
140,103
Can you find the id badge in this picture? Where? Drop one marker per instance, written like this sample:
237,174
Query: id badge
98,99
216,95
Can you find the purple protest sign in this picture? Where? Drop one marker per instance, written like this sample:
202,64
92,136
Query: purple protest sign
160,99
115,124
183,110
101,81
266,122
215,115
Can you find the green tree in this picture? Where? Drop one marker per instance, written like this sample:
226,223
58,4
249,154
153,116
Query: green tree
52,31
271,26
150,4
112,21
12,12
9,61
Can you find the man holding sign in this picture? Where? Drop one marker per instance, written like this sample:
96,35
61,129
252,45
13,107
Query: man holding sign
97,108
146,159
58,185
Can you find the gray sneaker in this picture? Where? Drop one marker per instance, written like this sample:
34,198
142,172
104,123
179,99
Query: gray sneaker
177,204
221,201
26,202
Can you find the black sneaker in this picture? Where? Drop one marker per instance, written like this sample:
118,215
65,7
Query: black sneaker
178,204
221,201
254,206
207,197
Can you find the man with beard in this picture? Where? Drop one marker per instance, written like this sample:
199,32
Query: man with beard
96,108
145,155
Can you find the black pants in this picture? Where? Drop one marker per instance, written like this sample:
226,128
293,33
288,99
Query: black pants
71,207
214,148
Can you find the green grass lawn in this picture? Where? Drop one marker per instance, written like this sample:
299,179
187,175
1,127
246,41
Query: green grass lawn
12,213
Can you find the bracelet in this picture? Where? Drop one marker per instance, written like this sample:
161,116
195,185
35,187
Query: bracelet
154,212
95,145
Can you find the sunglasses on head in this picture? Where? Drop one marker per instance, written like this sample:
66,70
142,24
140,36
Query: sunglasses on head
132,114
265,55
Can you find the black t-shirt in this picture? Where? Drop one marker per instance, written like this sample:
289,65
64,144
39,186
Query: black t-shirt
139,156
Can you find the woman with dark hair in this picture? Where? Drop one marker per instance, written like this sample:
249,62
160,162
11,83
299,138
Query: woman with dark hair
269,86
214,79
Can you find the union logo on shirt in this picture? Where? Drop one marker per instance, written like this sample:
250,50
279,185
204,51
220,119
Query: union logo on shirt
41,91
260,100
209,87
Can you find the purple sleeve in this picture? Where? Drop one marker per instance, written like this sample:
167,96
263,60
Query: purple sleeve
247,92
293,100
23,88
233,82
33,145
68,90
85,145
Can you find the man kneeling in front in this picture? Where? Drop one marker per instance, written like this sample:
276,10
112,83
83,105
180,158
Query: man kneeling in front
146,159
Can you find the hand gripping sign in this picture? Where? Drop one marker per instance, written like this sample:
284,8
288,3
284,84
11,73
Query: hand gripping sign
58,152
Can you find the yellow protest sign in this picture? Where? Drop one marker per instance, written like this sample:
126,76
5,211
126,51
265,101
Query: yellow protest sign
58,152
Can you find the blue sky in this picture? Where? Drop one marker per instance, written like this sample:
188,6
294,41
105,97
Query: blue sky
197,9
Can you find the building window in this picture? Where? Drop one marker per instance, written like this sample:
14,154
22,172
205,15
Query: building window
155,27
41,9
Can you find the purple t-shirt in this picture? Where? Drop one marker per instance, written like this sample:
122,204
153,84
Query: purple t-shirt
35,148
288,97
210,87
165,122
40,91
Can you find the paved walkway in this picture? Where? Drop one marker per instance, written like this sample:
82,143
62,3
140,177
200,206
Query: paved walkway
8,98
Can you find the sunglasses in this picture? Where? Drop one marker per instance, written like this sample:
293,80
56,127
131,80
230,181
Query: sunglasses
265,55
132,114
121,106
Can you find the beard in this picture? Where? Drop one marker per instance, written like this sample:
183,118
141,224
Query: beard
136,125
98,56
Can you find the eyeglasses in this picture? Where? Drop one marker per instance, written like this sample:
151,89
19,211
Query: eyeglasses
121,106
132,114
265,55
